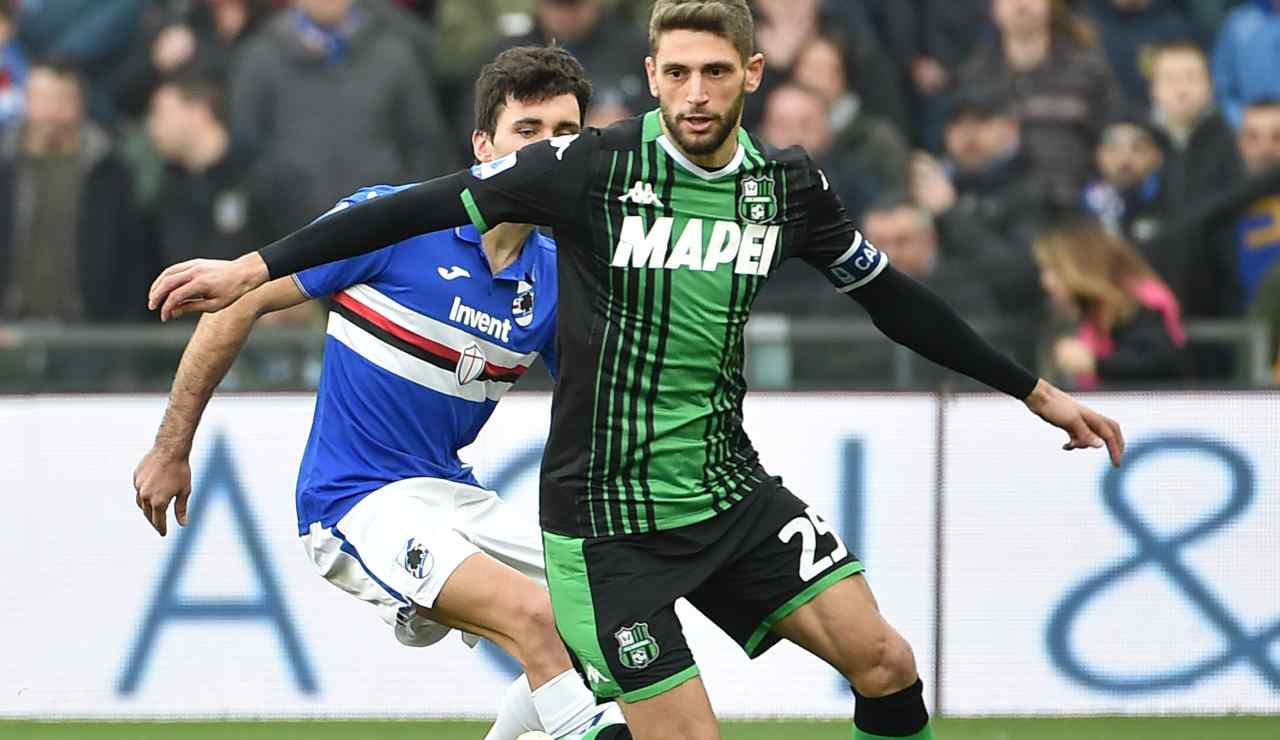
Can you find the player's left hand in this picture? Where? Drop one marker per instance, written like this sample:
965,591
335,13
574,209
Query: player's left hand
160,478
1087,428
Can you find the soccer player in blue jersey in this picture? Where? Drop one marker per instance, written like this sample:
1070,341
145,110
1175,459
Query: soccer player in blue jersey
423,339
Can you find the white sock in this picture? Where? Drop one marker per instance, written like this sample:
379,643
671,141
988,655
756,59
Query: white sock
564,704
516,714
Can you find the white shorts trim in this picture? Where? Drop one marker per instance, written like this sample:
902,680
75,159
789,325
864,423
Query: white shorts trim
401,543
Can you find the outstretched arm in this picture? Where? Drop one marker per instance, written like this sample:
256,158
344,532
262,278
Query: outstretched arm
540,184
917,318
164,474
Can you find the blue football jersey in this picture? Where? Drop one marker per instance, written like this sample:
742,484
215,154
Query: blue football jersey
422,342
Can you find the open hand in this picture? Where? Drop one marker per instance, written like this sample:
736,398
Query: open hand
160,478
205,286
1086,428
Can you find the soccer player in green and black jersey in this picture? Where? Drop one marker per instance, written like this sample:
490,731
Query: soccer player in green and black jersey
668,226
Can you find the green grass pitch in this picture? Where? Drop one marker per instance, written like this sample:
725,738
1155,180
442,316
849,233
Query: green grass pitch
1136,728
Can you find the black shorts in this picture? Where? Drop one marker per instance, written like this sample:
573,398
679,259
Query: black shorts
745,569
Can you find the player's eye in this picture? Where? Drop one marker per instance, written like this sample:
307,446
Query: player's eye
717,71
675,74
527,133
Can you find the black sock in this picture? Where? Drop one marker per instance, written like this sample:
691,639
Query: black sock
614,732
902,714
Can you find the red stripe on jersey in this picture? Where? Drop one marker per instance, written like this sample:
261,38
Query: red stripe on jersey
427,345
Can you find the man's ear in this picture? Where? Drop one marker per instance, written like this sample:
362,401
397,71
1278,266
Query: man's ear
482,146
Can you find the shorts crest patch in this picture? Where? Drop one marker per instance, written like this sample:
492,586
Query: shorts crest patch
636,648
417,559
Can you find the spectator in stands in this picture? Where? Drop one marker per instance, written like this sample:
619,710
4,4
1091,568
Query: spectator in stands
1131,31
68,226
13,69
987,203
948,30
1247,56
1130,197
204,35
1063,88
610,47
332,91
216,198
1257,227
905,232
872,144
1128,324
785,27
92,34
1202,158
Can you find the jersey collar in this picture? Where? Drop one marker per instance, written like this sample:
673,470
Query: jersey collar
522,268
653,132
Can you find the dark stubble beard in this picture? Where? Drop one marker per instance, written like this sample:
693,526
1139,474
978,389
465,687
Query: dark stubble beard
719,133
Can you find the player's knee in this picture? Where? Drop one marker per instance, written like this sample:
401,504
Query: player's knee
887,665
536,627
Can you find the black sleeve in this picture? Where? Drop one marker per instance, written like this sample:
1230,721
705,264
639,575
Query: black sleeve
832,245
1144,351
539,184
915,317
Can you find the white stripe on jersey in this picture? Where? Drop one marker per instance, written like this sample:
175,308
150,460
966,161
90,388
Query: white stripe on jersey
401,363
436,330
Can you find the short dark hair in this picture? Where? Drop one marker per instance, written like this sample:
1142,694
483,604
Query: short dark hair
530,74
1268,101
729,19
198,88
65,68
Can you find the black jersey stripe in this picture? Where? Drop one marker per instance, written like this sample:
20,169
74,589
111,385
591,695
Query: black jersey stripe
610,509
663,312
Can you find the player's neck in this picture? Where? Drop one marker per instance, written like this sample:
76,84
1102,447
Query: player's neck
502,245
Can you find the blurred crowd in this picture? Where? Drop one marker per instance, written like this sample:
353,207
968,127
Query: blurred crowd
1109,169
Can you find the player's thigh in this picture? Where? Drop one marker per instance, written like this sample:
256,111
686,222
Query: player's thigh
843,626
614,602
500,531
787,556
683,713
491,599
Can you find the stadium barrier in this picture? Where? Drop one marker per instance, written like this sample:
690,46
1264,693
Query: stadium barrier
39,357
1030,581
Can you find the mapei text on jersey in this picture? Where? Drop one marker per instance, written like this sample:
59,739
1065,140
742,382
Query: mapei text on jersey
702,245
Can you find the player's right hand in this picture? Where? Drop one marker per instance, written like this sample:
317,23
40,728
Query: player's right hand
205,286
160,478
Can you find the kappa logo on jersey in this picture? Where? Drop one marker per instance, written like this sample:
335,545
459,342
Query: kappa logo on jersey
562,143
522,305
471,362
636,648
750,250
453,273
757,204
417,560
486,170
479,320
641,194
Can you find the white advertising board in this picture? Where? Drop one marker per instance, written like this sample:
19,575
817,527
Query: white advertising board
1073,588
102,618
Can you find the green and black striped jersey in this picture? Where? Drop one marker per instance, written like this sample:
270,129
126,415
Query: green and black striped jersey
659,263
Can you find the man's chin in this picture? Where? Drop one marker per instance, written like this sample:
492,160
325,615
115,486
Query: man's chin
702,144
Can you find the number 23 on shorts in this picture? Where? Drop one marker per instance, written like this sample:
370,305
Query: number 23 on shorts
810,527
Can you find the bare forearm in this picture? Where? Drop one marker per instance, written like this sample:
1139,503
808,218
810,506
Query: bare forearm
205,362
